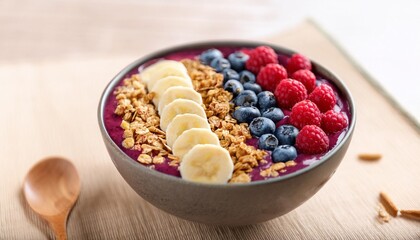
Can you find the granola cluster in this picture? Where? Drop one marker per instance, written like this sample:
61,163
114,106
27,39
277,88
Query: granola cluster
141,123
232,135
274,169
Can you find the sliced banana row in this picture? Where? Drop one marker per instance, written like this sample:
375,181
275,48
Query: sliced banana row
183,118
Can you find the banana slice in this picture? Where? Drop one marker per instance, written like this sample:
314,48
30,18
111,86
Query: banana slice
176,92
177,107
189,138
163,84
207,163
148,73
166,72
184,122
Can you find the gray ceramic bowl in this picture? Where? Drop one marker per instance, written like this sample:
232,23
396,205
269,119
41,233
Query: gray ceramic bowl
229,204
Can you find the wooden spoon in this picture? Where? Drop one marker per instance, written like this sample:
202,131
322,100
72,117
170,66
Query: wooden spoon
51,189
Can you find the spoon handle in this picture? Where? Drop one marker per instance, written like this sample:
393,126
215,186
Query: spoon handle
58,224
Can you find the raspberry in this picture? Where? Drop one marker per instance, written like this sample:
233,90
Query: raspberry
289,92
297,62
259,57
323,96
306,77
333,121
312,140
305,113
270,75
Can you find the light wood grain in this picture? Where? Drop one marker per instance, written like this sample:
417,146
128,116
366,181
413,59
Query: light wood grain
49,108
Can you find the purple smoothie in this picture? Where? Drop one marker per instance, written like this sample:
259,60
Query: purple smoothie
112,121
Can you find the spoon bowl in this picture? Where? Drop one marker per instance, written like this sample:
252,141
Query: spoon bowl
51,189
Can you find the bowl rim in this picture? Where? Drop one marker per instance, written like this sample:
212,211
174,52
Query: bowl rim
338,83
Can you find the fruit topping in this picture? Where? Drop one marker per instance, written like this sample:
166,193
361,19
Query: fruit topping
246,98
333,121
220,64
260,126
312,140
177,92
233,86
267,142
253,87
207,56
266,100
246,77
323,96
237,60
271,75
191,137
218,122
229,74
298,62
259,57
177,107
273,113
286,134
181,123
306,77
163,84
289,92
283,153
207,163
305,113
246,114
161,69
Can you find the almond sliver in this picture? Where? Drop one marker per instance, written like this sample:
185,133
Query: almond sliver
413,214
388,204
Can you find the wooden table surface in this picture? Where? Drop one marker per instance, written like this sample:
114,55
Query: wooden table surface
57,56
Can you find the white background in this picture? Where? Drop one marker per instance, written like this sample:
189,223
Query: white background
383,37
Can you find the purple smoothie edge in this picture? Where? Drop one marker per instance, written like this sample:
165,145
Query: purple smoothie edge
112,121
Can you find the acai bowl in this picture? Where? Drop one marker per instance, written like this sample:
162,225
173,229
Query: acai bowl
269,130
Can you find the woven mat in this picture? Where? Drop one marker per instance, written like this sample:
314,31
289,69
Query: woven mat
50,109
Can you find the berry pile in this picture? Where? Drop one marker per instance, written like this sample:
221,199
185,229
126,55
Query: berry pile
263,90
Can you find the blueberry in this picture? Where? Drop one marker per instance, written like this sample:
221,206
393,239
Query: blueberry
286,134
246,98
229,74
273,113
219,64
246,114
284,153
253,87
207,56
266,100
261,125
246,76
267,142
237,60
233,86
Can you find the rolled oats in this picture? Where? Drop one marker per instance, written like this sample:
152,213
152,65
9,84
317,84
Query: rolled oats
128,142
141,122
145,158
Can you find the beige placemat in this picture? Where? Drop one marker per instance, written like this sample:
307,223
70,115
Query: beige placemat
50,109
